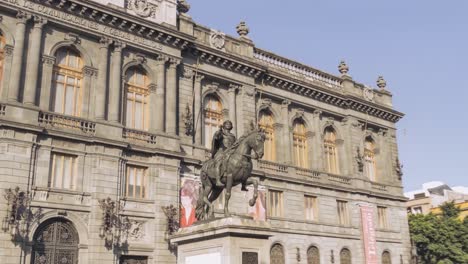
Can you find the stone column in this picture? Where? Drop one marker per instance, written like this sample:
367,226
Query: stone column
47,72
197,109
285,135
318,144
101,86
8,49
171,97
153,107
160,95
232,105
246,110
18,52
32,68
115,89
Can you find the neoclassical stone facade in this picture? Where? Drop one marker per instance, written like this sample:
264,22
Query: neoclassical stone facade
119,99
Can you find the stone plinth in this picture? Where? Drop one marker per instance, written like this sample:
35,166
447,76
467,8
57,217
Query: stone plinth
223,241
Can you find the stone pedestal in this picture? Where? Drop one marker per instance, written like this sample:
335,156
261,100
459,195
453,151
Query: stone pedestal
223,241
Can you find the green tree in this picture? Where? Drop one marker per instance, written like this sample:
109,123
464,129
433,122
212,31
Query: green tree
440,239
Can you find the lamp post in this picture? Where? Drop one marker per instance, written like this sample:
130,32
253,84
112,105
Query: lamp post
19,216
114,228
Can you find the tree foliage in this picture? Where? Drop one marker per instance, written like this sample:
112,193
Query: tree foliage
440,239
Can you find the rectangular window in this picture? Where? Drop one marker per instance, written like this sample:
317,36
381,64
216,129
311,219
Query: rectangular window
63,171
417,210
135,186
382,217
311,209
275,203
343,213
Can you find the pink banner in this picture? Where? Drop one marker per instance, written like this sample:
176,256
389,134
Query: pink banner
368,234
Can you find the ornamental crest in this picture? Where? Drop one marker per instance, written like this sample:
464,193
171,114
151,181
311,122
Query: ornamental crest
217,39
142,8
368,94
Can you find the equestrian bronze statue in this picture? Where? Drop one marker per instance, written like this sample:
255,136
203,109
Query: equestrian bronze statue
230,165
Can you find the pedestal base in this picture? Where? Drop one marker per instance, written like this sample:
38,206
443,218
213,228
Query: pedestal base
223,241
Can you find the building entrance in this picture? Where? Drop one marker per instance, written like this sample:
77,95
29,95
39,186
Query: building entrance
55,242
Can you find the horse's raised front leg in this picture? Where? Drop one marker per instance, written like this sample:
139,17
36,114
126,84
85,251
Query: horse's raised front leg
255,194
227,195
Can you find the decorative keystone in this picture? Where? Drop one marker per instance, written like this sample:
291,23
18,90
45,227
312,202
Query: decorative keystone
381,83
242,29
343,68
183,6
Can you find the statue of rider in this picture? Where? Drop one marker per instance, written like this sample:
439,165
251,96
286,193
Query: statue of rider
223,139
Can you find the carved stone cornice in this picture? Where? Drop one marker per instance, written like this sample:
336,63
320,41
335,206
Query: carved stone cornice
89,71
173,62
73,38
317,113
22,17
119,46
48,60
187,73
152,88
104,42
233,88
39,21
8,50
199,77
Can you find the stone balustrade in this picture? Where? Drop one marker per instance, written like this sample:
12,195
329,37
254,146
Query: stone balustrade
273,167
297,69
378,186
54,120
138,136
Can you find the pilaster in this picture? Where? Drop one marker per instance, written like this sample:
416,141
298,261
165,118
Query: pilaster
318,162
197,106
18,53
285,133
160,94
246,114
116,87
88,103
232,105
171,97
32,68
5,83
102,78
48,63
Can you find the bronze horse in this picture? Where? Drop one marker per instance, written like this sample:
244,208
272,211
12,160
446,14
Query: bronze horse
236,168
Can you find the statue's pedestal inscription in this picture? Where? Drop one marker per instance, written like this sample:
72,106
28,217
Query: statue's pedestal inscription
230,240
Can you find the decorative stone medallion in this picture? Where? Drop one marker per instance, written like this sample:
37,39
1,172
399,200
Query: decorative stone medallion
217,39
368,94
142,8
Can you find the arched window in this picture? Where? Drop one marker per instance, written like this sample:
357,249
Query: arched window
277,254
345,256
313,255
2,57
386,258
266,123
300,144
67,80
331,151
370,168
213,118
137,114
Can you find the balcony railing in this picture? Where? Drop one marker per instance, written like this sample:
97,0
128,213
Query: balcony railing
54,120
308,173
378,186
139,136
339,179
273,167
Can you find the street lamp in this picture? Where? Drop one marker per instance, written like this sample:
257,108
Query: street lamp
115,227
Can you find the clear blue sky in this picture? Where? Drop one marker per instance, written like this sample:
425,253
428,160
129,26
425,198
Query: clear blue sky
419,46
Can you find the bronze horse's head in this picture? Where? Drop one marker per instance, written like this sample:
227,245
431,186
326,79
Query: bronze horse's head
256,142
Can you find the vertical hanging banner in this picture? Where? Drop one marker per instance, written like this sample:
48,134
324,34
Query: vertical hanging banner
368,234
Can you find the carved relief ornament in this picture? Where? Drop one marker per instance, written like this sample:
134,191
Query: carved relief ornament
217,39
142,8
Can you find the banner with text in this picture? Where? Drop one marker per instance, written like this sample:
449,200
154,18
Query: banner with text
368,233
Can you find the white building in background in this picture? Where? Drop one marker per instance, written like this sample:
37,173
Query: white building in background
432,195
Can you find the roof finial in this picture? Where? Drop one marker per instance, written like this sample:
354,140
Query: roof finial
343,68
183,6
243,29
381,83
